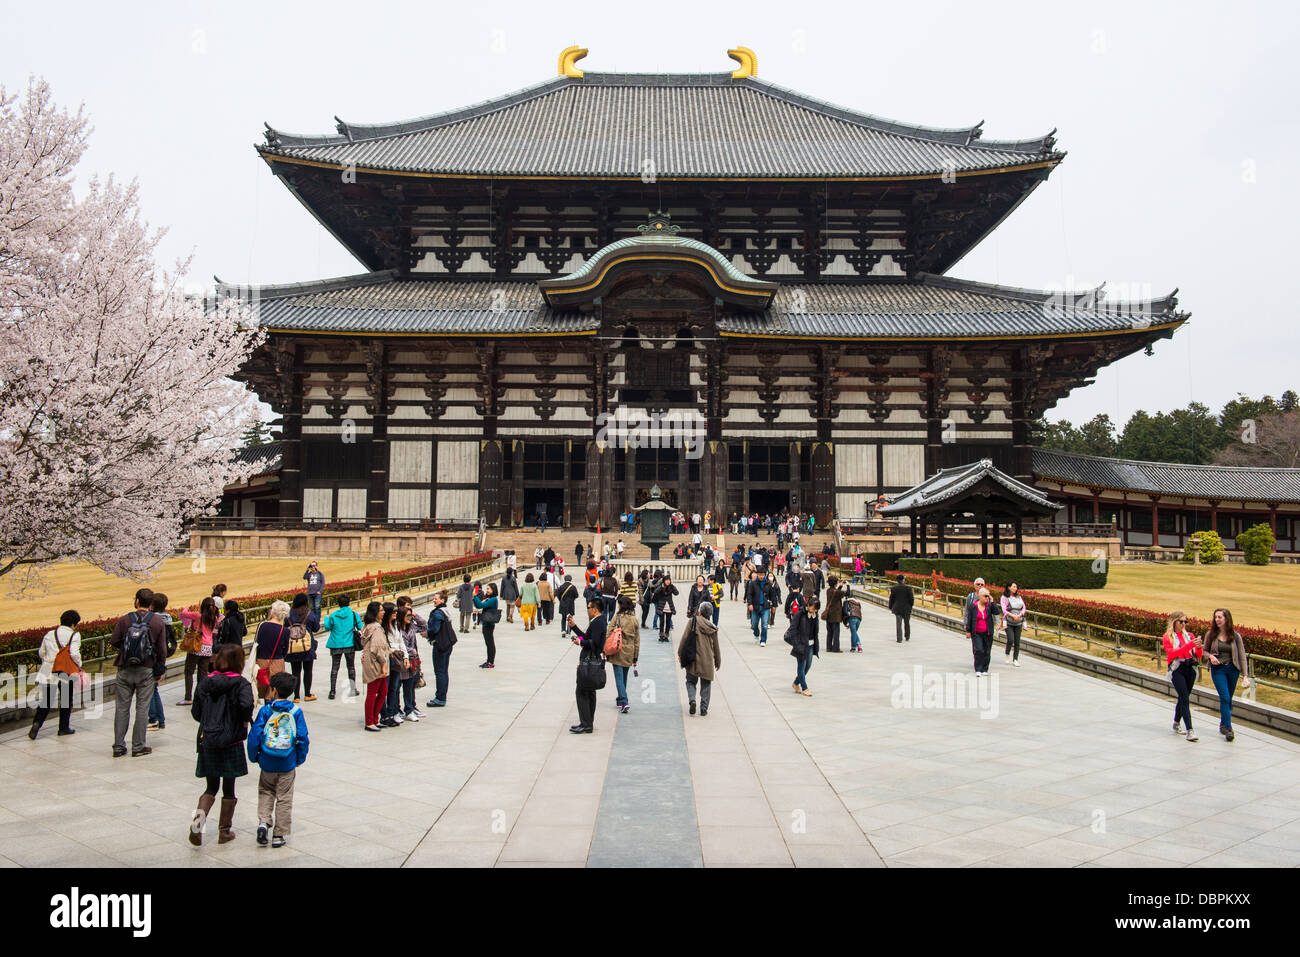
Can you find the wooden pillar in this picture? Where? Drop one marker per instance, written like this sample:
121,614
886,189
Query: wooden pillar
1155,522
938,535
1272,520
515,449
922,543
1096,506
984,539
1214,516
912,530
997,545
1020,541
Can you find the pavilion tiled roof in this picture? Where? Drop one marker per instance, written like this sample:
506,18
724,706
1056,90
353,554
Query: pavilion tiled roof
948,485
687,125
933,307
1166,478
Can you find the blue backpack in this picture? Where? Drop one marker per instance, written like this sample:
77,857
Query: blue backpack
280,733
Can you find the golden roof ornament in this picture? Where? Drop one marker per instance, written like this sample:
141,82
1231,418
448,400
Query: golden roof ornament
568,58
748,61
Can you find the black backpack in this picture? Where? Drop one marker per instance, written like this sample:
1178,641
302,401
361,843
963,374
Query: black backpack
446,636
137,645
218,725
689,648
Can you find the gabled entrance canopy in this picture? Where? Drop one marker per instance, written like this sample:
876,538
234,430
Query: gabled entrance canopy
970,494
658,251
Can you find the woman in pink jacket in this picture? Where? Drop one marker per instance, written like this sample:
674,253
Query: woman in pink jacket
207,620
1182,652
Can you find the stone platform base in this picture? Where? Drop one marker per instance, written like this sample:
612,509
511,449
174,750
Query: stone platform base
309,543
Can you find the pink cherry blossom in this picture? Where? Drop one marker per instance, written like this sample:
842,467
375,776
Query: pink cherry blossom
119,420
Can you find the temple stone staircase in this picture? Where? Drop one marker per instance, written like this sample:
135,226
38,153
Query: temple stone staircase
524,541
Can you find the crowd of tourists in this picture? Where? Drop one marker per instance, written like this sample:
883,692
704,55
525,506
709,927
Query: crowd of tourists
234,729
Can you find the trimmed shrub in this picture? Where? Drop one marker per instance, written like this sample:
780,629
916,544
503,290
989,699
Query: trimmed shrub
95,634
1041,572
1212,551
1256,543
880,562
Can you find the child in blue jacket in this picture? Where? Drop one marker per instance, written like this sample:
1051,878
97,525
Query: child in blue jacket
277,742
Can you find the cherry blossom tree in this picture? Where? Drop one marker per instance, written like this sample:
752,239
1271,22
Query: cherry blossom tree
119,418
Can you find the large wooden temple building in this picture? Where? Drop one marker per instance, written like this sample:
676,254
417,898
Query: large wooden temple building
712,245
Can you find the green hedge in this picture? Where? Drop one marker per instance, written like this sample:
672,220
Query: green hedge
880,562
1042,572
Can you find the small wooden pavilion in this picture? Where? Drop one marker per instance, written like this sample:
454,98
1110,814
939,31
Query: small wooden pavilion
976,494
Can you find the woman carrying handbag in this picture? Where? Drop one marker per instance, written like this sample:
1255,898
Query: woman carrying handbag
272,644
591,664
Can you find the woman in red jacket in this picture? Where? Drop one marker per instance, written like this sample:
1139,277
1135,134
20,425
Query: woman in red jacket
1182,651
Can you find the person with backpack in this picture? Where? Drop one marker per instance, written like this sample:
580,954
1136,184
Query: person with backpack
345,636
834,613
278,742
200,634
157,713
757,600
489,607
442,638
465,603
271,644
567,599
60,666
700,653
853,617
223,707
234,627
623,648
375,652
303,624
591,641
802,638
715,592
141,643
664,607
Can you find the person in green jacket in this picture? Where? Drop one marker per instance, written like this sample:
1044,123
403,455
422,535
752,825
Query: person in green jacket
343,625
529,599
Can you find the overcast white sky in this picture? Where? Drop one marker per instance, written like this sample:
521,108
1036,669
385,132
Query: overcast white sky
1179,118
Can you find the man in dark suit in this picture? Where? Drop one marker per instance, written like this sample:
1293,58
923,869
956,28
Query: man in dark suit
900,603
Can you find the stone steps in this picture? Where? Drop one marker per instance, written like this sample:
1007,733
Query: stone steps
524,541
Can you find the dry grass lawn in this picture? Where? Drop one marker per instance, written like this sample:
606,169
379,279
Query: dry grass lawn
1259,596
97,595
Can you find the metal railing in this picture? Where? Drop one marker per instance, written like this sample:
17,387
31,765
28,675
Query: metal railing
1121,642
97,654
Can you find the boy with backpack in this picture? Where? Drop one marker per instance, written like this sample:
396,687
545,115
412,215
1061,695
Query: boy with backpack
141,643
277,742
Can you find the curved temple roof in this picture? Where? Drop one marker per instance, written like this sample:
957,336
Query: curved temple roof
934,308
686,125
1219,482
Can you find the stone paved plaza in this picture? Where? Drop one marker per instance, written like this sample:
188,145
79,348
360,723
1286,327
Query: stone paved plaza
1070,771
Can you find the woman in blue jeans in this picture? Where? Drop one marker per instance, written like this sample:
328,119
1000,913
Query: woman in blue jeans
1226,653
630,653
